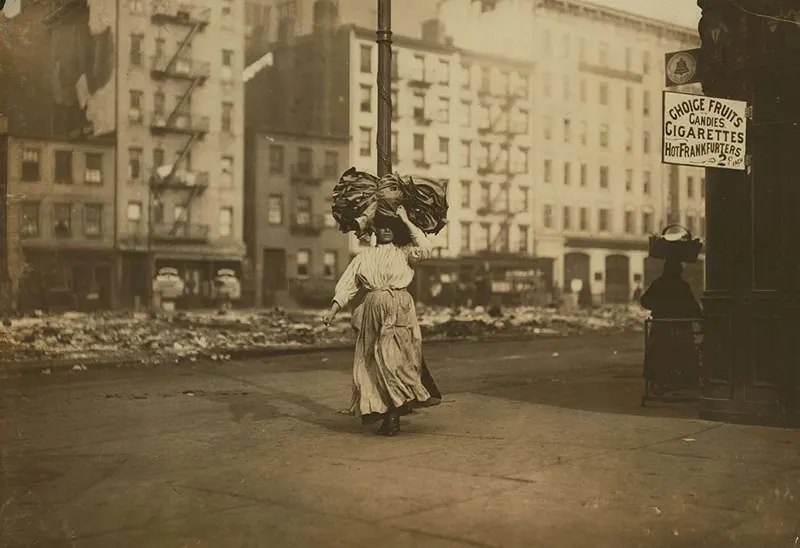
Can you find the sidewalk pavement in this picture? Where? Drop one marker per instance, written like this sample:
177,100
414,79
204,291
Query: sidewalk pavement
537,444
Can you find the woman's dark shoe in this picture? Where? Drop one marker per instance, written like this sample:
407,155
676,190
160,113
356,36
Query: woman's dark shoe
390,426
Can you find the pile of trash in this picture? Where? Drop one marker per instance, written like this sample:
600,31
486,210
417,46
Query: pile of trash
518,321
155,338
152,338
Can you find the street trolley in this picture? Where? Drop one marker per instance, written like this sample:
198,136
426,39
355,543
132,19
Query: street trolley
675,346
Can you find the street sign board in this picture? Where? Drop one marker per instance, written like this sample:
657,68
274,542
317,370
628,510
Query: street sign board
682,67
703,131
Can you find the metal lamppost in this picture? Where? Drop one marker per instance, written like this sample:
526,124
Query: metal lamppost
384,134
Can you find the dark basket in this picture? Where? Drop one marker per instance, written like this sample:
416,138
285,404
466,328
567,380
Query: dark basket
685,251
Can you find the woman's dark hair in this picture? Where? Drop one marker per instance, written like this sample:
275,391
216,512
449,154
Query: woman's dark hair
402,236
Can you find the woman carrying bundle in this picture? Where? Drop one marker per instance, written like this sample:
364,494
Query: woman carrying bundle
389,376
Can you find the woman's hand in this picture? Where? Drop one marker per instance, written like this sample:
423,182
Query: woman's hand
401,212
329,317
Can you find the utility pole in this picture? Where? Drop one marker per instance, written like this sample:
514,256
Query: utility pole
384,39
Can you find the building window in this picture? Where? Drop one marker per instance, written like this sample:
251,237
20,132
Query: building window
646,103
604,218
466,113
329,267
135,110
524,198
62,220
366,58
134,164
690,186
628,140
303,211
628,59
93,220
486,79
547,127
584,132
629,180
227,117
603,176
646,62
522,238
332,161
419,148
604,130
225,222
444,71
519,162
647,222
136,6
365,98
646,182
646,142
629,223
548,171
466,153
548,216
466,76
466,188
418,105
584,175
502,83
603,93
304,161
275,209
584,219
136,49
226,171
628,98
94,168
483,155
484,236
276,160
63,166
30,165
158,103
158,157
465,236
30,220
303,263
567,218
227,7
444,150
691,223
566,130
227,65
602,54
395,105
486,196
395,66
567,174
418,68
444,110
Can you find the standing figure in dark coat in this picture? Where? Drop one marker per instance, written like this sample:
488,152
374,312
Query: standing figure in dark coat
671,353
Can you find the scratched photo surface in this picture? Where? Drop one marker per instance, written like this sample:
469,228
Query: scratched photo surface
399,273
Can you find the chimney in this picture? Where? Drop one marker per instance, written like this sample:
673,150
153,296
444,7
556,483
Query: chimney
326,15
433,32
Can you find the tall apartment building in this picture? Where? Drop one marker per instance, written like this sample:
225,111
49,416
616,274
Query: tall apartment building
598,183
163,79
471,128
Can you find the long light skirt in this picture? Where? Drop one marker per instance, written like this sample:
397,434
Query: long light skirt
389,374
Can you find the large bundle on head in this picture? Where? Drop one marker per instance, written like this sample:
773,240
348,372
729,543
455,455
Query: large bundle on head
359,196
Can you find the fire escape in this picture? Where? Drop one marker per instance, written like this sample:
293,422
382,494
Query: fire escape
180,121
501,124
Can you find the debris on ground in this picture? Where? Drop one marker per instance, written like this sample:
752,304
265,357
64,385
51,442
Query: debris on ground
188,335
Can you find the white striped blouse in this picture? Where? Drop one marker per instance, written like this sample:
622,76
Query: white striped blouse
385,266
